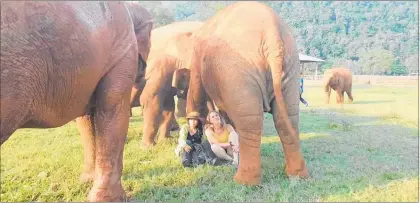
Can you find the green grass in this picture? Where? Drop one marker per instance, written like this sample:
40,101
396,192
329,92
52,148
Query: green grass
367,151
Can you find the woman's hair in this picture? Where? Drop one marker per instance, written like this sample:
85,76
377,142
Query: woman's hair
209,124
199,124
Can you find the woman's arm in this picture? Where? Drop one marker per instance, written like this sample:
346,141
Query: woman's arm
233,137
209,134
182,137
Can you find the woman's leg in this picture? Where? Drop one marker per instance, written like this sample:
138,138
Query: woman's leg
233,137
186,158
207,149
220,152
201,155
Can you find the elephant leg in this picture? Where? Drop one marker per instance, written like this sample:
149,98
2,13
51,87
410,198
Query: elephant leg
248,118
295,163
226,117
174,123
165,127
13,113
167,115
338,97
249,128
111,127
348,92
151,118
86,129
181,107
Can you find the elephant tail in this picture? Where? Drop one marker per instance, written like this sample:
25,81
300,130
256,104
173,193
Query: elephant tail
283,61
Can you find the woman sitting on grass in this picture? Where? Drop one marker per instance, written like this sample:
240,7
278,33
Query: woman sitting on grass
222,138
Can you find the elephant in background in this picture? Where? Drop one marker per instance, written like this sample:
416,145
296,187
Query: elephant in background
159,37
169,51
340,80
245,59
62,60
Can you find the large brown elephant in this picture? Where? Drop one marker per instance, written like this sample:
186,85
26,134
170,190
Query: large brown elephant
67,59
245,59
170,48
340,80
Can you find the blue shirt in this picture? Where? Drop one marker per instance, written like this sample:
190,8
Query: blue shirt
301,84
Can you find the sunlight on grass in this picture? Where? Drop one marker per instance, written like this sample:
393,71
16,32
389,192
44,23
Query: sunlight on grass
390,103
305,136
396,191
365,151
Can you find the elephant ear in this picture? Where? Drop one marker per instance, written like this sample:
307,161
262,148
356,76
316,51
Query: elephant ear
181,78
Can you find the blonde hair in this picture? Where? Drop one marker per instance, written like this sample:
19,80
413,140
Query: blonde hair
210,125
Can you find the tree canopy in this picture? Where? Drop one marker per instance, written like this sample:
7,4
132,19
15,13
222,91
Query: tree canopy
376,37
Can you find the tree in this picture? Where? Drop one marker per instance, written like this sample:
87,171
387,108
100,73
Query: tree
398,69
338,30
161,15
412,63
377,61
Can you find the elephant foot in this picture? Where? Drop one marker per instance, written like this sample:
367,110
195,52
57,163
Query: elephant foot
112,194
147,145
247,178
164,138
301,171
86,177
300,174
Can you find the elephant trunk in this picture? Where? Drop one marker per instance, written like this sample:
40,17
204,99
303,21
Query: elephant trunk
196,96
327,89
151,122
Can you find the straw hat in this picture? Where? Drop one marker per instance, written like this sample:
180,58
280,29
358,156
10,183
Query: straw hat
194,115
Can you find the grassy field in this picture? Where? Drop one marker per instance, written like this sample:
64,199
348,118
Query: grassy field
367,151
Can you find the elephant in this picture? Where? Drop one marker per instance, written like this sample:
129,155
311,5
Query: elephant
340,80
169,49
66,60
245,59
159,37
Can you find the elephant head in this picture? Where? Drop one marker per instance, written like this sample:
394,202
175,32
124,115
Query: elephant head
143,25
166,76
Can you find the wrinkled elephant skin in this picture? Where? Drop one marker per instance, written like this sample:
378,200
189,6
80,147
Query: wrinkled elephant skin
62,60
245,59
170,44
340,80
143,24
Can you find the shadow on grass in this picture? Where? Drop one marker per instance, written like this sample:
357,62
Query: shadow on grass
349,153
343,153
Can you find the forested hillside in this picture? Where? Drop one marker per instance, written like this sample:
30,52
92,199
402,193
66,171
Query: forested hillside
375,37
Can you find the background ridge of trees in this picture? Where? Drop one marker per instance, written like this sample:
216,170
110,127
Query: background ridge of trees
370,37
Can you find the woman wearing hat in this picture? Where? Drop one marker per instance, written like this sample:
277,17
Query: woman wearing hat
190,142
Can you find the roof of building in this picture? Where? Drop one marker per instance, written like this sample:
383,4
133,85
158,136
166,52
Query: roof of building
307,59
